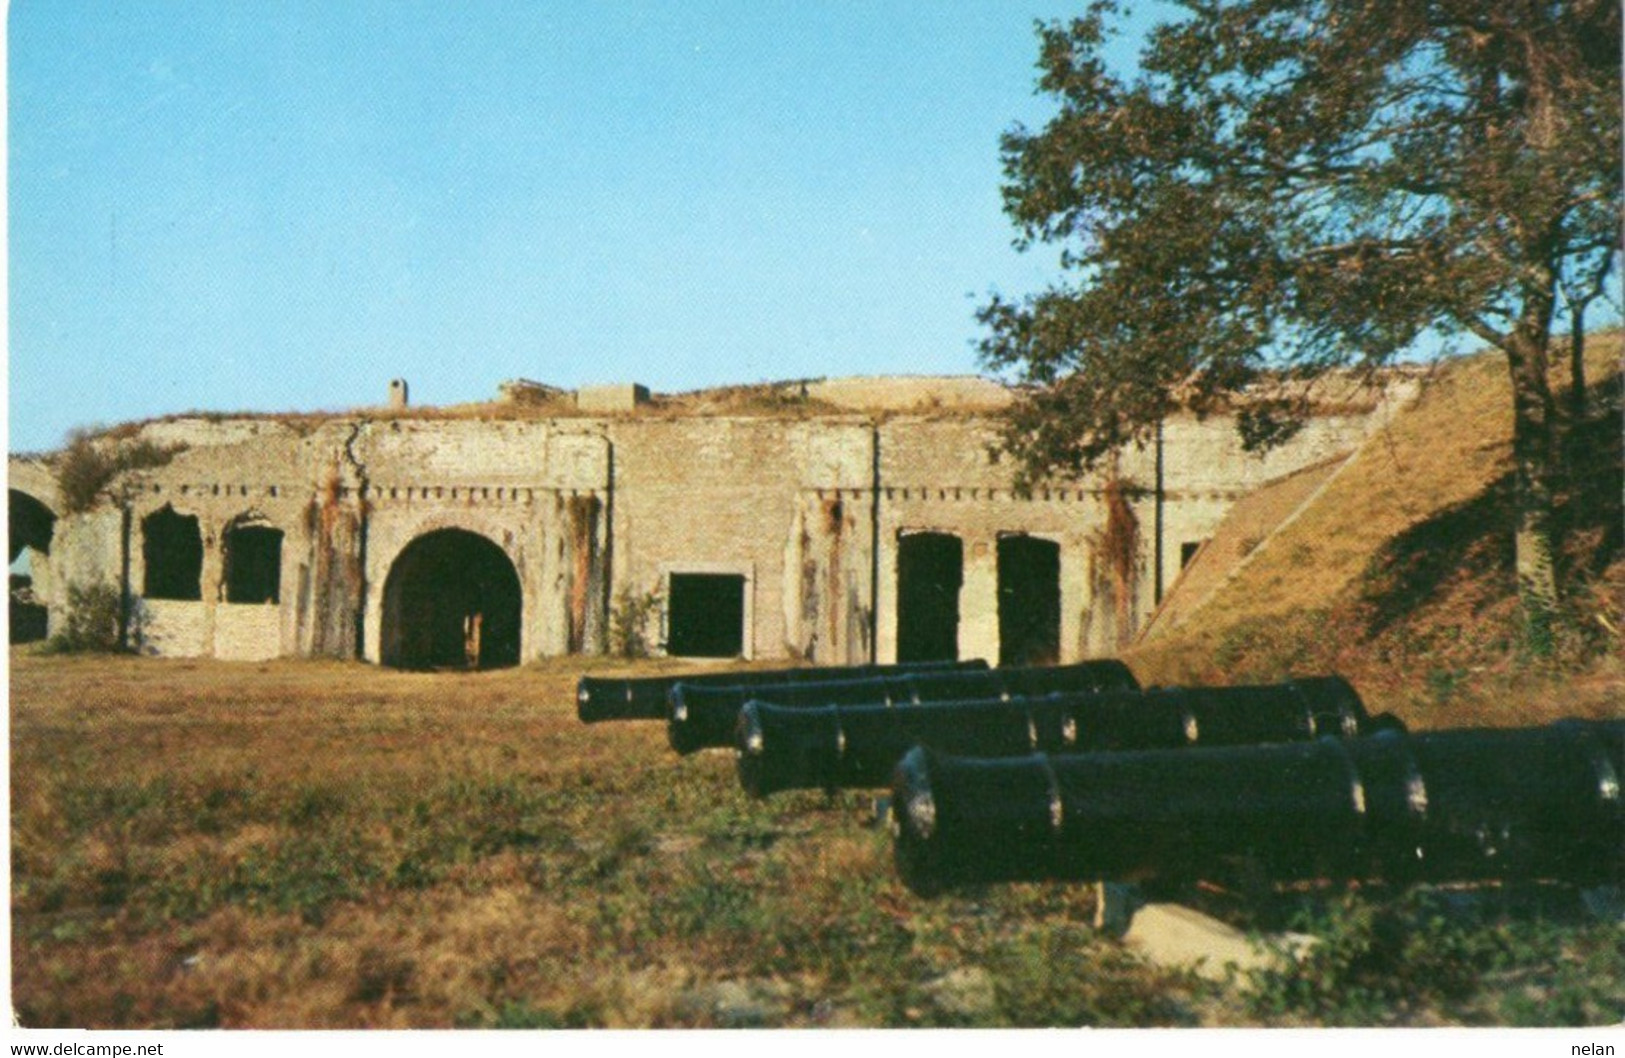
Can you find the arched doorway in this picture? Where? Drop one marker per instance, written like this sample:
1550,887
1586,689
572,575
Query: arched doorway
32,525
451,601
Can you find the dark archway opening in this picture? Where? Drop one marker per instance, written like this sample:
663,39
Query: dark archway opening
253,564
32,524
705,615
451,601
930,569
1029,601
172,553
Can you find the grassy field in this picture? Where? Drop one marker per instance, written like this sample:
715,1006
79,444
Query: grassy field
322,844
326,844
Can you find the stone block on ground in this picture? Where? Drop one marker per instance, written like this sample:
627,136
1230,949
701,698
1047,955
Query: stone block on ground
1177,936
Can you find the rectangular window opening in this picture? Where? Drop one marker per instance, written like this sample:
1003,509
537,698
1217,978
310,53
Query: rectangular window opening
705,615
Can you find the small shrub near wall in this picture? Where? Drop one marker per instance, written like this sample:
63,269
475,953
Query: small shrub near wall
93,617
631,623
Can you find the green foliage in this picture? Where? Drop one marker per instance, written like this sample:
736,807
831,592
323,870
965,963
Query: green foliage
1539,637
1299,184
306,873
711,903
1377,963
1039,984
90,463
93,616
1288,187
521,1015
631,622
1274,647
1270,423
1444,684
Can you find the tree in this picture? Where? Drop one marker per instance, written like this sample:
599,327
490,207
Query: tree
1296,185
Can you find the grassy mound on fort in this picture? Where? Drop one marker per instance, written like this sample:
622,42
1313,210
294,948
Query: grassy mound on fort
1399,573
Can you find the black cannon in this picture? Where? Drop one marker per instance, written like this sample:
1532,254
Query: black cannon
645,698
704,717
857,746
1517,805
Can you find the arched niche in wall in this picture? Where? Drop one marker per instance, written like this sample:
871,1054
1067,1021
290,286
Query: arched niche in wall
171,555
253,562
31,527
32,524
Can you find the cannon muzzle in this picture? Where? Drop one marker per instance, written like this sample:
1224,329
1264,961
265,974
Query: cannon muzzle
1518,805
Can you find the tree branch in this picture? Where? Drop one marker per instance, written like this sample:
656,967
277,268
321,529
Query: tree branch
1486,332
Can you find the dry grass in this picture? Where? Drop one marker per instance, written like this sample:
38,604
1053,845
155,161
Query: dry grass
323,844
316,844
777,400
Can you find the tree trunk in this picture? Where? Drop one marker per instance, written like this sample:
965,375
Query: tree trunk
1534,459
1577,365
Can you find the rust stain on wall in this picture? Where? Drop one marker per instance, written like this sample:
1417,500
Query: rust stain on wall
1114,566
587,574
834,518
335,585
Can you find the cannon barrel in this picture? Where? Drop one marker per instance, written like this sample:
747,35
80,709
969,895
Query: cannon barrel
857,746
646,697
705,717
1527,804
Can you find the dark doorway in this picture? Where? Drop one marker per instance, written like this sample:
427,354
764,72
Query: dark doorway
253,563
451,601
172,552
32,525
1187,551
930,569
1029,601
705,615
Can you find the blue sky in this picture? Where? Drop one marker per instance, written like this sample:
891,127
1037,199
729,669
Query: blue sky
233,204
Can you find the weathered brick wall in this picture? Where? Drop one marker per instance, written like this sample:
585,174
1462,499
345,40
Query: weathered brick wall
85,552
256,473
245,632
938,475
173,629
721,496
521,485
585,508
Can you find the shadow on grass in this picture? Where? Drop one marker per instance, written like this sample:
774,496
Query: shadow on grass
1472,541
